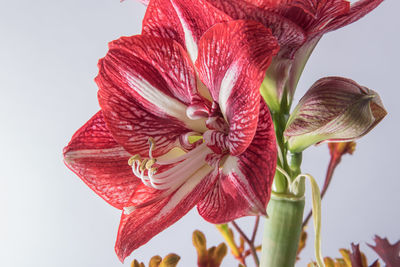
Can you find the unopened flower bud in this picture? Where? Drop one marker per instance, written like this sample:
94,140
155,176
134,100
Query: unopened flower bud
155,261
171,260
135,263
199,241
219,254
333,109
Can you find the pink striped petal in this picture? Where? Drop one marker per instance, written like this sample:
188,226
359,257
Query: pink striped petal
313,16
290,36
101,162
182,20
244,186
357,10
168,58
137,101
132,124
161,20
142,224
233,58
266,3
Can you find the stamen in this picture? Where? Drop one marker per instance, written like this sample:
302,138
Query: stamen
180,158
144,179
178,174
152,180
143,165
186,165
134,158
150,163
182,167
153,170
136,170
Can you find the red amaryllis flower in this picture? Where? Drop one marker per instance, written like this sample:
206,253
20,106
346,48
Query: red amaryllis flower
298,25
192,133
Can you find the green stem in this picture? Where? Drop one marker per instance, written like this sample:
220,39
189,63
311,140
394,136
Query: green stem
283,228
282,231
280,183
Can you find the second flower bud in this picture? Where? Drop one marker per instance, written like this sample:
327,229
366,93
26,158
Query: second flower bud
333,109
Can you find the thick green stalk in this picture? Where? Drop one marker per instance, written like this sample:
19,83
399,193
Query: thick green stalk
282,231
285,210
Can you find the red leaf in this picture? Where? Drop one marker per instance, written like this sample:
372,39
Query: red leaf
355,256
389,253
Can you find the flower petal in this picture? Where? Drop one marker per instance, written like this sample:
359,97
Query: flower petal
137,100
142,224
168,58
145,2
161,20
313,16
182,20
233,58
357,10
101,162
244,187
290,36
266,3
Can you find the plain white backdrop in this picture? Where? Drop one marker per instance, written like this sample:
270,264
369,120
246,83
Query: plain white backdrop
48,56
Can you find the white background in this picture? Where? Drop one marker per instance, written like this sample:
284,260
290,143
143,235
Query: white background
48,56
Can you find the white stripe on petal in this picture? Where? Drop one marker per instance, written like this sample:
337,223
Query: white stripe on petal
227,84
191,45
185,189
232,170
96,153
230,165
169,105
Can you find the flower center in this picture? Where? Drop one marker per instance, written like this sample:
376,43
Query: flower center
169,173
166,173
205,148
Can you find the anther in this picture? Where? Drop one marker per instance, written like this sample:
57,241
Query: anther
154,170
150,163
143,165
133,159
151,141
